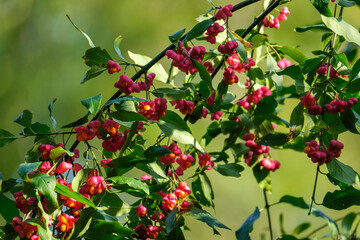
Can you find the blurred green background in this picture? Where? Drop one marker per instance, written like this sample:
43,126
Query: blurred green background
40,59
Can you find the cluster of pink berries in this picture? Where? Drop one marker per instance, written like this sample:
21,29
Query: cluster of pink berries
283,63
254,97
308,101
235,63
113,67
153,110
255,151
224,12
127,85
25,229
228,48
184,106
142,232
323,70
213,31
339,106
182,61
272,22
317,153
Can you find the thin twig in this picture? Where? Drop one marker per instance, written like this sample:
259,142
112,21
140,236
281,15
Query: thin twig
267,206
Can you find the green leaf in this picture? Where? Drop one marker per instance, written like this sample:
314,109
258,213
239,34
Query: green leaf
276,139
349,120
302,227
6,185
342,58
243,233
51,109
130,183
169,93
46,186
156,151
202,189
117,42
322,6
102,226
347,223
113,205
8,210
57,152
93,104
157,68
355,70
320,26
24,119
175,37
80,178
293,71
97,56
346,3
342,172
25,168
78,122
83,33
94,71
176,128
6,138
295,201
199,29
170,221
64,190
82,225
294,53
266,106
204,74
127,116
207,218
342,199
231,169
340,27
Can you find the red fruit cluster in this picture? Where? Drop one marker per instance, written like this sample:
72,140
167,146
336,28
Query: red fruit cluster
323,70
66,223
211,98
235,63
224,12
171,200
229,76
153,110
254,97
255,151
24,204
24,229
272,22
127,85
216,115
283,63
143,233
269,164
185,162
113,67
213,31
228,48
94,185
185,107
205,161
175,153
308,101
339,106
144,86
317,153
182,61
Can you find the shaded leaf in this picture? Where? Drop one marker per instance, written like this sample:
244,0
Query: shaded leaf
175,37
294,53
6,138
349,120
231,169
207,218
295,201
243,233
302,227
64,190
204,74
102,226
266,106
117,42
169,93
46,186
25,168
342,172
199,29
320,26
156,151
83,33
130,183
322,6
24,119
93,104
82,225
340,27
78,122
8,210
93,72
157,68
347,222
342,199
97,56
355,70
